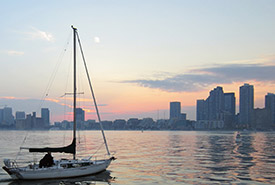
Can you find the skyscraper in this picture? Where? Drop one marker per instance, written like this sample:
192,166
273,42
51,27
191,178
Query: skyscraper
175,110
45,115
216,103
8,118
200,110
1,115
246,103
230,103
270,105
80,114
20,115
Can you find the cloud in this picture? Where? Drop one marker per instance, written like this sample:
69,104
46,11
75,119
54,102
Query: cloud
52,100
201,78
29,105
242,72
11,98
38,34
16,53
97,40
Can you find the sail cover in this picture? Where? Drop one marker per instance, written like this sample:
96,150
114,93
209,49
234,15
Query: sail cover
67,149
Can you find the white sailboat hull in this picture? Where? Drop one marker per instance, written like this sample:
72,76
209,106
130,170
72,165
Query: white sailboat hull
58,172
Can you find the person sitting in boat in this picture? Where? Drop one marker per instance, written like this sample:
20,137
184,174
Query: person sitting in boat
46,161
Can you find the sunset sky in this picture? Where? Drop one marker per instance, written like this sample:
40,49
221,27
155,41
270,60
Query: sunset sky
141,54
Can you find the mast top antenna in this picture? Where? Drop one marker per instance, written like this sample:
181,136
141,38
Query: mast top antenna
73,27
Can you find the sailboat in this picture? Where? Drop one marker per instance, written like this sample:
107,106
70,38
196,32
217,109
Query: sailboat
64,168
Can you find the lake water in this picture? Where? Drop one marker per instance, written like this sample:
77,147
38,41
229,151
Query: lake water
157,157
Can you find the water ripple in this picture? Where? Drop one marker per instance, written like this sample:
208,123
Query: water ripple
164,157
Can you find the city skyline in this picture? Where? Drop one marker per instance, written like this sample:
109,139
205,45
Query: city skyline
216,112
141,55
218,99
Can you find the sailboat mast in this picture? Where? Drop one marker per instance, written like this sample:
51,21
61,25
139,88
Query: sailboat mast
74,85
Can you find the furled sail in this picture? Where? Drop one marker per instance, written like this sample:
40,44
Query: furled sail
67,149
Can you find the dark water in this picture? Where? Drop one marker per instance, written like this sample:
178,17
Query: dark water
159,157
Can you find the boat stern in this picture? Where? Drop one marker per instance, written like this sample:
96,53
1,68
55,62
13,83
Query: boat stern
7,166
7,170
13,172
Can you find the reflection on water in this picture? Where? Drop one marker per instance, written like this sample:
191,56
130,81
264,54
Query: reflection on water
102,178
163,157
231,161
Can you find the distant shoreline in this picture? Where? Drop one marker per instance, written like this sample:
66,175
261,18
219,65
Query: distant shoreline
215,130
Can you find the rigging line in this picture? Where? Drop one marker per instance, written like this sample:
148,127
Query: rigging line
69,72
96,151
51,80
66,87
93,95
80,102
85,141
79,89
48,86
64,138
23,142
78,132
64,110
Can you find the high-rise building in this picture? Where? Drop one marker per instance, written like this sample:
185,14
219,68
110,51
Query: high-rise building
1,116
200,110
216,103
80,114
8,118
20,115
216,106
270,105
230,103
183,116
175,110
45,115
246,104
